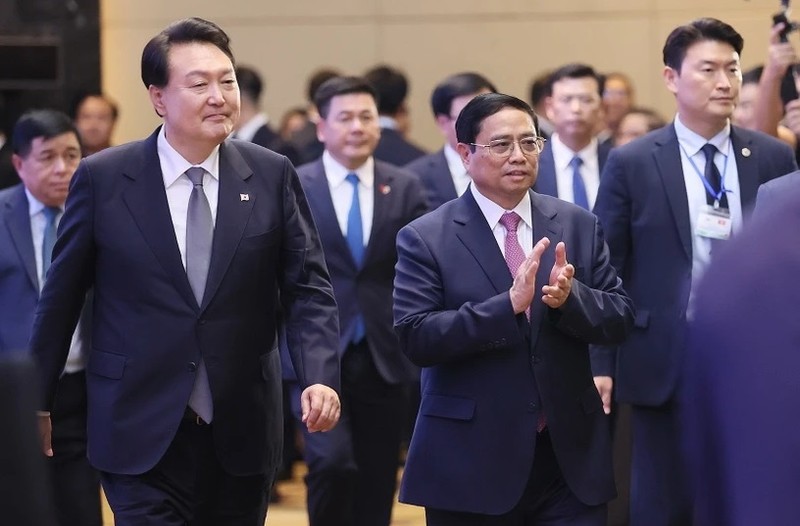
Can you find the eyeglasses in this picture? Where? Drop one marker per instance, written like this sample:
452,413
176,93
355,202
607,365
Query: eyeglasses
504,147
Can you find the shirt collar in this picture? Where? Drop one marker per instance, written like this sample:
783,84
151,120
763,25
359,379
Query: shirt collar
248,130
692,142
492,211
384,121
175,165
336,172
563,155
34,205
454,162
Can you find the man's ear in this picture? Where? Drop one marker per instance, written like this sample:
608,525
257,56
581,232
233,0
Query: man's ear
16,160
465,152
670,79
157,99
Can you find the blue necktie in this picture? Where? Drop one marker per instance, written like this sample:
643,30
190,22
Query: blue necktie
199,236
49,238
578,188
355,240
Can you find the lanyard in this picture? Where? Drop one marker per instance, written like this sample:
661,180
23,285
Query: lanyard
716,195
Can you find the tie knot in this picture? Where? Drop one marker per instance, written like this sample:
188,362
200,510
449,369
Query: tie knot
576,162
50,213
510,220
195,175
709,150
352,179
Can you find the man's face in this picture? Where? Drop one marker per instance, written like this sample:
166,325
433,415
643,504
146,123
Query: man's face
743,113
350,131
200,102
503,179
617,99
48,168
632,126
707,86
574,107
447,123
95,123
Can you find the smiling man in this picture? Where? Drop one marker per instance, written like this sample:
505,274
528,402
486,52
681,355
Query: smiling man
666,200
498,295
193,245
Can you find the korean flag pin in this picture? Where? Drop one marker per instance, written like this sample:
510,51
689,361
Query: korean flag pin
746,152
385,189
244,197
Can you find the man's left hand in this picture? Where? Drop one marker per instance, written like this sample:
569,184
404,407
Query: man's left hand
321,408
605,387
557,291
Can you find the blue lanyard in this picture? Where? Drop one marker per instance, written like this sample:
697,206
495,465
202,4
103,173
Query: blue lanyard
716,195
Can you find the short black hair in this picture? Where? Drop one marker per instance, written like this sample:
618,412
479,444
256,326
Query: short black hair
81,97
576,71
391,86
455,86
683,37
752,75
34,124
317,79
155,63
540,88
341,86
250,83
469,122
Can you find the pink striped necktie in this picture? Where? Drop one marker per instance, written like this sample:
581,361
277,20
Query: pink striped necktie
514,258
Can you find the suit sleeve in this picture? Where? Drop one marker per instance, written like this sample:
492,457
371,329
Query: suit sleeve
311,316
431,334
613,210
598,312
68,280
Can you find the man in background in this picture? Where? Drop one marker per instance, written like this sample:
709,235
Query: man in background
47,151
442,173
95,116
391,86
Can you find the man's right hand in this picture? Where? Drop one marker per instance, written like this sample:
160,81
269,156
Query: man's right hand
46,433
524,287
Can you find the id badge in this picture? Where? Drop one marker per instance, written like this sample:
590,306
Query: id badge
714,223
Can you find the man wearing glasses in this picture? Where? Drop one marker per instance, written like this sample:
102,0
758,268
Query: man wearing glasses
498,295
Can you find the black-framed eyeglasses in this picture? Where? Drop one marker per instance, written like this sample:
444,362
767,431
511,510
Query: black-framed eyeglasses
504,147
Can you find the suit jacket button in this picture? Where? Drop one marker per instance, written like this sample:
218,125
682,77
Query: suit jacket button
202,322
192,367
531,407
537,358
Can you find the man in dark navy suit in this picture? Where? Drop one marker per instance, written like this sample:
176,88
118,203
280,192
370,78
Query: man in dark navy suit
359,203
442,173
195,246
666,202
498,295
573,157
47,151
391,86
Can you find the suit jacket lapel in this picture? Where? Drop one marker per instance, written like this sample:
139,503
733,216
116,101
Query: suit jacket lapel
319,197
442,177
383,200
146,199
545,224
667,157
477,237
233,212
746,167
546,180
18,221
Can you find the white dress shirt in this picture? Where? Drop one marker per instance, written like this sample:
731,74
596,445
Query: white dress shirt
590,169
461,178
493,212
248,130
179,187
342,192
76,358
690,147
